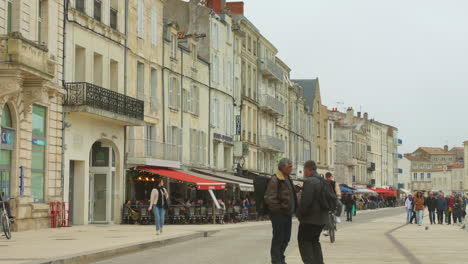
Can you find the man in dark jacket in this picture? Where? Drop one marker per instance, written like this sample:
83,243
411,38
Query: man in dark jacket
441,207
311,216
431,203
281,201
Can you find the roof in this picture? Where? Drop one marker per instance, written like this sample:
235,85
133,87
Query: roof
435,151
456,165
415,158
309,87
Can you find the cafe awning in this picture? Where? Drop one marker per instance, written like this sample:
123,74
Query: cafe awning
245,185
202,183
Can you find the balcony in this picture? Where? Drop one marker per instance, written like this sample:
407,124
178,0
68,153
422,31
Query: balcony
94,100
17,52
270,69
271,104
272,143
149,152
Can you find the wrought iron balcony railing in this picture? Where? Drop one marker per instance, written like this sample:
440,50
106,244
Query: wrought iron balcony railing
272,104
272,143
144,148
270,68
87,94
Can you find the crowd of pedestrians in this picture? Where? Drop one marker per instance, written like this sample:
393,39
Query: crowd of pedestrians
449,209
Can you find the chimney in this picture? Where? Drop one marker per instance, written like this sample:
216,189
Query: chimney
359,114
217,5
445,148
236,8
350,113
366,116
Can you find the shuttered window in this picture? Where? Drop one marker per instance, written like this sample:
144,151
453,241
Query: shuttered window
141,20
154,27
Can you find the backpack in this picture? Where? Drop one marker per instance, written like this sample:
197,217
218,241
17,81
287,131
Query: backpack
260,185
327,197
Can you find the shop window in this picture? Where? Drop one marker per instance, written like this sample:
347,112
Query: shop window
38,153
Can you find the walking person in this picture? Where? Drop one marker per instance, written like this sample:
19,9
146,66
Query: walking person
431,203
339,205
159,204
459,210
419,207
441,207
312,217
281,200
349,204
409,208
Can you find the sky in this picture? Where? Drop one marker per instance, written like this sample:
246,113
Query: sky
404,62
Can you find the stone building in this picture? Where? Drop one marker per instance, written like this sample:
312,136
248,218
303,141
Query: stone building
31,96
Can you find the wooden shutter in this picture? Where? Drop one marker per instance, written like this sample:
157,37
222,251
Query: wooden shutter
171,92
154,27
140,24
178,93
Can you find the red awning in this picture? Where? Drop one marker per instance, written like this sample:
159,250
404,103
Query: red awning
202,184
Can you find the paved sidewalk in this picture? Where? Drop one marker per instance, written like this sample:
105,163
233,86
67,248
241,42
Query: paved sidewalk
388,240
40,246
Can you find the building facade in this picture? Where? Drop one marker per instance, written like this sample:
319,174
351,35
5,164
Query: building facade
31,96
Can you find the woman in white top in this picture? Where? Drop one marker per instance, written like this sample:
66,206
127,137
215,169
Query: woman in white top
158,203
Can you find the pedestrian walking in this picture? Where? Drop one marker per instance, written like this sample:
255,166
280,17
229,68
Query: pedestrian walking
409,208
349,203
159,204
431,203
459,210
312,217
281,201
336,188
441,207
419,207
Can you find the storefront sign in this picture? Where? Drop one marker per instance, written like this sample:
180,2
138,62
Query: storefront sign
38,142
7,136
222,137
238,125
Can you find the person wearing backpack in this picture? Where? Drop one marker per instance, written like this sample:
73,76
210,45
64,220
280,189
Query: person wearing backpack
317,199
281,201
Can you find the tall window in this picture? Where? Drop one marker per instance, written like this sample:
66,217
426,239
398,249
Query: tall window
194,55
422,176
140,81
97,10
150,137
6,147
9,15
154,89
113,18
79,5
174,93
195,105
154,27
39,21
38,153
141,19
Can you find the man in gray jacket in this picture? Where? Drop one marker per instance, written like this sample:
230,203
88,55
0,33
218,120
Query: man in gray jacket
311,216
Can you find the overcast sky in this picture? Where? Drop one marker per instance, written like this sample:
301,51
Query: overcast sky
403,61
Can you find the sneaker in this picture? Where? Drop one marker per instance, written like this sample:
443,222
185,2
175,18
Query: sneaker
157,232
338,219
325,233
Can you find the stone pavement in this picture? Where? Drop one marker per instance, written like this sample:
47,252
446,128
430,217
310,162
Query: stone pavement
42,246
388,240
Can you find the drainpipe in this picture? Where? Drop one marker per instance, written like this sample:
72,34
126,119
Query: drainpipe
62,173
126,47
163,44
209,115
181,103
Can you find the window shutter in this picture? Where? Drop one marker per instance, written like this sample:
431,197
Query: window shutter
180,143
154,27
190,100
140,23
169,135
212,110
226,118
178,93
197,98
171,92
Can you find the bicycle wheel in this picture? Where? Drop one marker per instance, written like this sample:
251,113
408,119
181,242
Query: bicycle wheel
6,226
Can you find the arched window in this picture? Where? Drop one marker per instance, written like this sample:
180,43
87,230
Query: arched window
7,135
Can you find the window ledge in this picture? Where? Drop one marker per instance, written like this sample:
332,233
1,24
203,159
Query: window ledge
173,109
173,58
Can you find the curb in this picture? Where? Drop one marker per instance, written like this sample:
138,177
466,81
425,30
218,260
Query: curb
98,255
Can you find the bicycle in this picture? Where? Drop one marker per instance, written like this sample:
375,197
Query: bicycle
5,221
331,226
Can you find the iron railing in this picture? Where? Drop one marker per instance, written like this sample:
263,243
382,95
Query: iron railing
269,67
269,102
145,148
82,93
272,143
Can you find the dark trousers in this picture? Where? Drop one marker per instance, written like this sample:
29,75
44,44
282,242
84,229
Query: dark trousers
455,218
281,224
349,215
440,216
413,217
432,216
448,217
309,243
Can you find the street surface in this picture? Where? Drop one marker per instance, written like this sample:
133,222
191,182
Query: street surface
366,240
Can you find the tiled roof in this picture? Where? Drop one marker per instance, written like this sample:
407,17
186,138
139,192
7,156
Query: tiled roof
415,158
456,165
435,151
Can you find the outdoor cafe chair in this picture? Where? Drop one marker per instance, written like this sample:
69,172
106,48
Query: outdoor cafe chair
144,216
203,216
191,216
238,214
126,215
176,217
219,216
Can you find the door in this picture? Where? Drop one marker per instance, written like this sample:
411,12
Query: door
99,198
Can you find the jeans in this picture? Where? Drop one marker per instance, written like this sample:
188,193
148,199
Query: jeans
440,216
432,216
409,215
159,214
419,216
281,225
308,239
349,215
